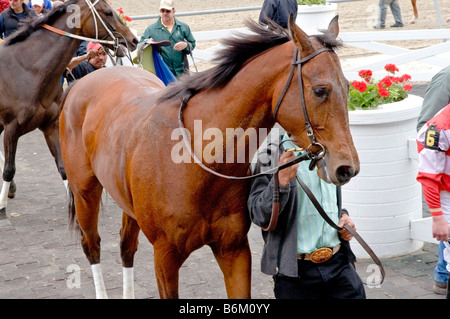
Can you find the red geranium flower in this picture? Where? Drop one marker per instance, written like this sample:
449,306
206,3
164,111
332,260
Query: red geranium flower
407,87
391,68
361,86
123,17
369,93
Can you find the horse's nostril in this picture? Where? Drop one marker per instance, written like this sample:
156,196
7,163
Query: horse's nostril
345,173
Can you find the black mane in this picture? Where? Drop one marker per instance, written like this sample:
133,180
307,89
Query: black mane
29,28
236,52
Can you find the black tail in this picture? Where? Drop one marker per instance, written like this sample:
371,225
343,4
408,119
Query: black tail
71,210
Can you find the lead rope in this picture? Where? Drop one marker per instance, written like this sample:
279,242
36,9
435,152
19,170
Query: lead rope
347,227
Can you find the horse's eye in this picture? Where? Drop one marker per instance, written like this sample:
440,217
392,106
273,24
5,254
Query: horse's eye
108,13
321,92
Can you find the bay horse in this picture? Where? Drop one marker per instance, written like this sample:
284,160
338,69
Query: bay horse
120,132
32,62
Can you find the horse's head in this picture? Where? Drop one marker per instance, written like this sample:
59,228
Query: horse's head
325,92
100,20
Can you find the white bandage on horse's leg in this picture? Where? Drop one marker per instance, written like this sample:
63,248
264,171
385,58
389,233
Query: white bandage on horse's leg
128,283
4,194
100,290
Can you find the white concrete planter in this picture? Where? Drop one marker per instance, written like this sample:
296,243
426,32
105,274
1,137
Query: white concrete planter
385,196
315,17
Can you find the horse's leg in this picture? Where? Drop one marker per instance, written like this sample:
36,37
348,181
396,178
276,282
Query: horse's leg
51,134
12,187
167,265
10,140
236,268
128,246
87,204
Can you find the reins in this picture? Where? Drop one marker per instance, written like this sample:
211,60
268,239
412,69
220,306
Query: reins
96,16
114,42
347,226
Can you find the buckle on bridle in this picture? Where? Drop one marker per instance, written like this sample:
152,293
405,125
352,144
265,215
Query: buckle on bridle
317,156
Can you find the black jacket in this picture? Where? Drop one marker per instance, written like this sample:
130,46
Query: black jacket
12,22
278,11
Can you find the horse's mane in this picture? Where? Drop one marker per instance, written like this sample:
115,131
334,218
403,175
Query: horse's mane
35,24
236,52
229,60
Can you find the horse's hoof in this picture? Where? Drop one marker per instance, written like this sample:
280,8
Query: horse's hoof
12,190
3,213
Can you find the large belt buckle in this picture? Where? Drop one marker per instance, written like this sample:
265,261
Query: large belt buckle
321,255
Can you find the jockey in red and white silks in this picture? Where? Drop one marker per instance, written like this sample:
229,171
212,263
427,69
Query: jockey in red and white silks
433,142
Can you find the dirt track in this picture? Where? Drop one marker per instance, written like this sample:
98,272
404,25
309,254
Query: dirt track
354,16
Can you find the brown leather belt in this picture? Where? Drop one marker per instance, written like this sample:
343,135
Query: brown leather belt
320,255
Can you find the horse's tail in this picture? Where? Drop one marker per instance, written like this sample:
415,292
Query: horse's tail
71,210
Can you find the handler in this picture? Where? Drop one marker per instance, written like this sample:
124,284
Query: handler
306,256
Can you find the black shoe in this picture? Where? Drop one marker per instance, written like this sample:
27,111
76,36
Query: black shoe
397,25
379,26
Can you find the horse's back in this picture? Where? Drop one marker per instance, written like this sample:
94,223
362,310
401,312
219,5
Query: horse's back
103,115
110,93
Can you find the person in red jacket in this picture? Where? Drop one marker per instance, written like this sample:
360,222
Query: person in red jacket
433,143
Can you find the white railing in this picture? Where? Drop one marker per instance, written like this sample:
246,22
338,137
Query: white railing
421,64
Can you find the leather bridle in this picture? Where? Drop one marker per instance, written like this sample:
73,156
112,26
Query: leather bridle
308,154
96,16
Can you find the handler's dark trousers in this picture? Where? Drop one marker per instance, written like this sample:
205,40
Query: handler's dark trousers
335,278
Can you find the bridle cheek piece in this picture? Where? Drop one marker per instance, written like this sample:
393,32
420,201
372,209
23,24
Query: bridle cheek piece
297,62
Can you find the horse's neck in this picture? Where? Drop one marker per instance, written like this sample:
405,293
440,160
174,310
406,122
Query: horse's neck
240,123
53,50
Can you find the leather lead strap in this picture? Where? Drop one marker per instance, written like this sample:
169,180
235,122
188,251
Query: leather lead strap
348,227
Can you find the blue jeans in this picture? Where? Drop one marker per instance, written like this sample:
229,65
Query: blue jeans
440,271
395,9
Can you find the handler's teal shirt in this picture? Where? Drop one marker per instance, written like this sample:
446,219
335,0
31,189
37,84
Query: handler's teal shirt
180,32
313,231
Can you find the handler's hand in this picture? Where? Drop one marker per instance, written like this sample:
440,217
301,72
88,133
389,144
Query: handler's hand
344,233
439,228
180,46
285,175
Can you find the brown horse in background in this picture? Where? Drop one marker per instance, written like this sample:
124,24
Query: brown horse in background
120,132
32,62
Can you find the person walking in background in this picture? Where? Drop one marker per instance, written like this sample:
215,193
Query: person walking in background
437,96
14,17
415,12
307,258
396,12
278,11
178,33
433,142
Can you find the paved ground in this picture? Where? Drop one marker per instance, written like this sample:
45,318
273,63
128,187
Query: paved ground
41,258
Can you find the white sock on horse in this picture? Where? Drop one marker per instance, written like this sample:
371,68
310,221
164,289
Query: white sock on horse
100,290
128,283
4,194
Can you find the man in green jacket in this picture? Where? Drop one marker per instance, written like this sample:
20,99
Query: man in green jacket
177,32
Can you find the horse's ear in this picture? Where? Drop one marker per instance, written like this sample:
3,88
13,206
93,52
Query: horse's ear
333,27
301,39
